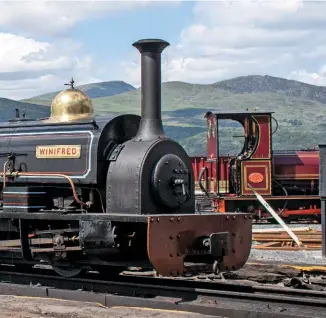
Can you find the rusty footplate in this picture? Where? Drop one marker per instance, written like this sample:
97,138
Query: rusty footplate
170,238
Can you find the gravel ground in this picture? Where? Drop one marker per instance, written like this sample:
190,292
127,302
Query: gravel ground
292,257
11,306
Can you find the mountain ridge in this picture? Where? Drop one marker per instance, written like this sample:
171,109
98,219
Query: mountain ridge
236,85
93,90
262,83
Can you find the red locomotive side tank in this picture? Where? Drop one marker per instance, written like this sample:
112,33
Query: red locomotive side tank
289,165
296,165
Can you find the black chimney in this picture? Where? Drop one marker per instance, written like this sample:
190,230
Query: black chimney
151,119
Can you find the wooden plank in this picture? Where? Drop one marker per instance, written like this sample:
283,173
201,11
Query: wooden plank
277,239
276,230
269,244
285,248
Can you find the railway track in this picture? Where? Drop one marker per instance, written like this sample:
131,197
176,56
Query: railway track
222,299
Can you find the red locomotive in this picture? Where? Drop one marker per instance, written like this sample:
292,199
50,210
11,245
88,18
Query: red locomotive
288,180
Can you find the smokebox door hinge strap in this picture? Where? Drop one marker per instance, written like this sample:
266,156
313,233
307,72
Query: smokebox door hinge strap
115,153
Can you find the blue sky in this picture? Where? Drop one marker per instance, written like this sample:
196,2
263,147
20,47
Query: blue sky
44,43
165,22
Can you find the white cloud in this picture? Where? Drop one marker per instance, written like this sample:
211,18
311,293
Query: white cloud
28,66
23,54
42,17
30,87
315,78
245,12
229,39
226,39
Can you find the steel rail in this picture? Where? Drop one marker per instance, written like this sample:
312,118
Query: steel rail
229,300
181,283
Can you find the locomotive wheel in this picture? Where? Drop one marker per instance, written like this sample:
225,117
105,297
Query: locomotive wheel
67,271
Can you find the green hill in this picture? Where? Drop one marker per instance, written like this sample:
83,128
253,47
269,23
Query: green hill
93,90
258,83
33,111
300,110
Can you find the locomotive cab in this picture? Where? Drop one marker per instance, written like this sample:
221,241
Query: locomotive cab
251,166
287,179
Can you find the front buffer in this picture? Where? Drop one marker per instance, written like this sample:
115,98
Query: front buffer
225,238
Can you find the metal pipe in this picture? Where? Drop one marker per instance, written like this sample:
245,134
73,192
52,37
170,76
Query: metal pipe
323,227
151,126
4,173
32,174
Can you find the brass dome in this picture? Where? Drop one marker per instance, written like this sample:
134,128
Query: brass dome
71,105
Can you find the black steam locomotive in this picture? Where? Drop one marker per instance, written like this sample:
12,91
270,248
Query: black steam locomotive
84,192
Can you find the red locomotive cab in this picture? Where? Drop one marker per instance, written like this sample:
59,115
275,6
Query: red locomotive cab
252,166
288,180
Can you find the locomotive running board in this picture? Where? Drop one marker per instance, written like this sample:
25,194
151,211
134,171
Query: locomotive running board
170,239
